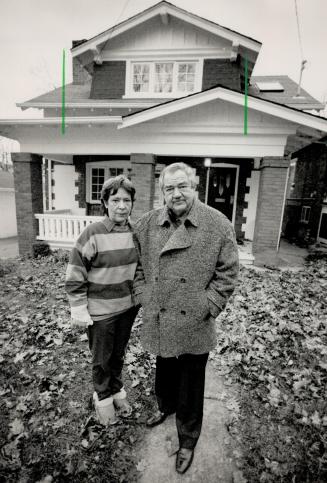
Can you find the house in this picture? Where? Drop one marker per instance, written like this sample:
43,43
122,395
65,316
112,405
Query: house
162,86
8,226
306,205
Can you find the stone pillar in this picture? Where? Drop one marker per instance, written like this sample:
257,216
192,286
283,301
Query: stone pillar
270,203
28,193
143,178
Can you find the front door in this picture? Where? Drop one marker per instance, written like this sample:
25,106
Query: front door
222,188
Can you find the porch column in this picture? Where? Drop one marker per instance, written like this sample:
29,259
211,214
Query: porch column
272,185
28,194
144,181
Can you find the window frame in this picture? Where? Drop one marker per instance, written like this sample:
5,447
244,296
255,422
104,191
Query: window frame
129,90
305,214
106,165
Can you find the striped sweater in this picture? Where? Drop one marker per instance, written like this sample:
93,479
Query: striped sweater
101,270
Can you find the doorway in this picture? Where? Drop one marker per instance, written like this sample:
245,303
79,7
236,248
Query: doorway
221,188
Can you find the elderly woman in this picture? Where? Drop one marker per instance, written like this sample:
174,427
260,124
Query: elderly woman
99,286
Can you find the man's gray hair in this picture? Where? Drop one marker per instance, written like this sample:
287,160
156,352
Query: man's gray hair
171,168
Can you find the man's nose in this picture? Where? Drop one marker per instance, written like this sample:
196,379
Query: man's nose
176,191
121,204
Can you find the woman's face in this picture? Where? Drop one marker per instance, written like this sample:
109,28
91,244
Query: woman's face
119,206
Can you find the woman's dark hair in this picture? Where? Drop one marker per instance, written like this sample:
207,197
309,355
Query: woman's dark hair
112,185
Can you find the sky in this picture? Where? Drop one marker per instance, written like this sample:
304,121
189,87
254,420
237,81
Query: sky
34,33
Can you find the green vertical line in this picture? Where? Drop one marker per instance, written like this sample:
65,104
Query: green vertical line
63,94
245,96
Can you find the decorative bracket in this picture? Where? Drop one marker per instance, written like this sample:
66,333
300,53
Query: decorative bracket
97,56
164,17
234,51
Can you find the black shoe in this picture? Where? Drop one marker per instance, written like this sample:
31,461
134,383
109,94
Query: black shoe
157,418
184,459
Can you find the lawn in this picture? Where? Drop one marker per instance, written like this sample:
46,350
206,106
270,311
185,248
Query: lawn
272,344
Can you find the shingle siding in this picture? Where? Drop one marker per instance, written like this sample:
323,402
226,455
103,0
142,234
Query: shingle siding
108,80
221,71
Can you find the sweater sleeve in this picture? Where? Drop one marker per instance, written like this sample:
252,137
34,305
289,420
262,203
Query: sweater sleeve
76,281
224,280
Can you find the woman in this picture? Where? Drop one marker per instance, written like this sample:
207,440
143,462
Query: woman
99,286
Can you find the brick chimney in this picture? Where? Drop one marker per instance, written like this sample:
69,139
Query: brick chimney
80,74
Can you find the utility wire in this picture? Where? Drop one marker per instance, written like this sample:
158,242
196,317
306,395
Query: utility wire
298,29
116,23
303,61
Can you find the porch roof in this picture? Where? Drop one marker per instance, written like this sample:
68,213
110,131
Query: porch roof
266,106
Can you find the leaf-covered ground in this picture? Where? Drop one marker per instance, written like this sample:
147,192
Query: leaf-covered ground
272,343
47,428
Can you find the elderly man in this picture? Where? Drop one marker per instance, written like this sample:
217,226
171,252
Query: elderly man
187,270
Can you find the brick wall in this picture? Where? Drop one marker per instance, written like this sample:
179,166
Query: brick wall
310,189
80,74
79,164
28,193
270,203
108,80
143,178
221,71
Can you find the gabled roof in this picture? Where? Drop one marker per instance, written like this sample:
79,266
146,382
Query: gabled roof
220,92
164,9
79,96
288,96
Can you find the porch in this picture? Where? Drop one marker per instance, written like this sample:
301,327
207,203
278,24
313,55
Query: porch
61,229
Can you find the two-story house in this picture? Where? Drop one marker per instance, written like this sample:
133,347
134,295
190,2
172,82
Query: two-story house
162,86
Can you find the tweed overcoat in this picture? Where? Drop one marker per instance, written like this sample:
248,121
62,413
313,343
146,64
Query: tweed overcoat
184,278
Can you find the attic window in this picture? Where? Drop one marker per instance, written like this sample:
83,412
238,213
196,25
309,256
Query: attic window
272,86
163,79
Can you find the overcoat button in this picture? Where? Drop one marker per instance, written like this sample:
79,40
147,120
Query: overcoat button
162,309
183,280
183,312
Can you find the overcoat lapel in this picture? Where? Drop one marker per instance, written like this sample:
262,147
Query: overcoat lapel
179,239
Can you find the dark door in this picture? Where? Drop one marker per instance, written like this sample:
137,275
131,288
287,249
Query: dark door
221,189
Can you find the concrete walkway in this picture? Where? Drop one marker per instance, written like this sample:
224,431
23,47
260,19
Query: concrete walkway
9,247
213,458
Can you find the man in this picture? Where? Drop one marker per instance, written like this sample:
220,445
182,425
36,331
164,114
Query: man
187,270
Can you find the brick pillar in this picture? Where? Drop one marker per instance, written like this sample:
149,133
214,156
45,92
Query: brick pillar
28,194
143,178
270,203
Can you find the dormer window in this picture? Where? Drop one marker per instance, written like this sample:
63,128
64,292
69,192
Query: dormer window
163,79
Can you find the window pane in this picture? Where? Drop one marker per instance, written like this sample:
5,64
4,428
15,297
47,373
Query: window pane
186,77
141,77
163,77
97,180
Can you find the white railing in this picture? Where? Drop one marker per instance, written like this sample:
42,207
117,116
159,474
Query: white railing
60,229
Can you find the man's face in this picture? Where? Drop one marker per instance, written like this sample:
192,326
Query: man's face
178,192
119,206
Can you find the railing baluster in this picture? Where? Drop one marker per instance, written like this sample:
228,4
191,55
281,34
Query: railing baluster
62,228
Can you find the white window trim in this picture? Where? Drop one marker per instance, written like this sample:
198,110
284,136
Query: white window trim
101,164
305,214
129,93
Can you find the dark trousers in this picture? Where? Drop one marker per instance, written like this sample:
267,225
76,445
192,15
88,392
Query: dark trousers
108,341
179,387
